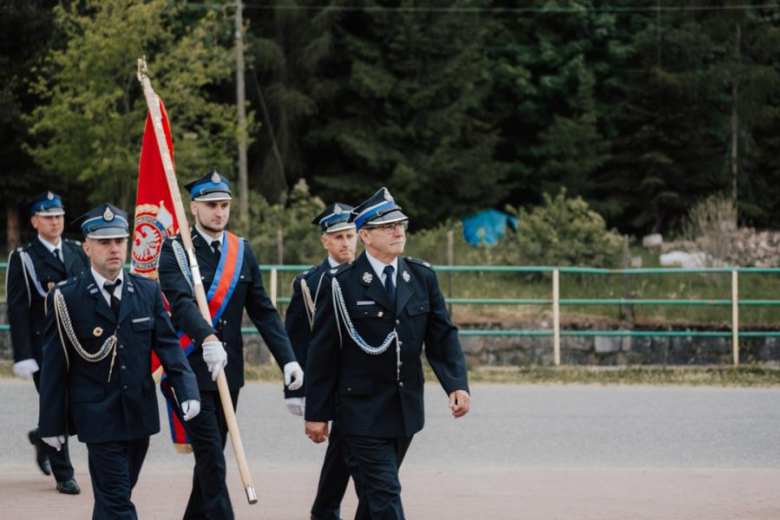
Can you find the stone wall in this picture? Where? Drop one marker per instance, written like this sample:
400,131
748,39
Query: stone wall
576,350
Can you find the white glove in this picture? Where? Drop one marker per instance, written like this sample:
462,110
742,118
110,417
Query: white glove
26,368
296,405
215,357
190,408
293,375
54,442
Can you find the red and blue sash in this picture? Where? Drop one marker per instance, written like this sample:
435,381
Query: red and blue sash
225,280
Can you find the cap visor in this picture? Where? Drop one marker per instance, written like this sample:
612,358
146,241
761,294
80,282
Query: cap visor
209,197
53,212
341,226
110,232
388,218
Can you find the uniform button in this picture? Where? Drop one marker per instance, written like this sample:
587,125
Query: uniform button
397,322
400,342
124,388
401,384
124,367
349,389
121,346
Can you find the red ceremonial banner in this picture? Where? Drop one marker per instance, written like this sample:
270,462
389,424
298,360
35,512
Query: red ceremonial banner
155,218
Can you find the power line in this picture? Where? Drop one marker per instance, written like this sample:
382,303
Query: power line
509,10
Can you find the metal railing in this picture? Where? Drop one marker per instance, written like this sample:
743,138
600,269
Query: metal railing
557,302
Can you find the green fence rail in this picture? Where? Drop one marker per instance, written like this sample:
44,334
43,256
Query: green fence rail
556,302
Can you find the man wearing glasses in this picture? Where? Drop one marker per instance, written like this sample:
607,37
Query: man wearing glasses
372,319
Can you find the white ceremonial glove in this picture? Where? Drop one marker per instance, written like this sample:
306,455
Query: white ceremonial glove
296,405
215,357
190,408
26,368
293,375
54,442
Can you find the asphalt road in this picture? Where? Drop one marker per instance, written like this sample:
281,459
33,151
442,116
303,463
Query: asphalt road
550,451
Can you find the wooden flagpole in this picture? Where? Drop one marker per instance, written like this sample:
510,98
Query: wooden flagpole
200,294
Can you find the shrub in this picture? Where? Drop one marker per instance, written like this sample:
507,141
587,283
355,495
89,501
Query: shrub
562,232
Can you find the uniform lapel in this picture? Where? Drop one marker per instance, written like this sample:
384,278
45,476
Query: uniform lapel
128,298
47,256
101,305
404,290
203,252
375,290
70,258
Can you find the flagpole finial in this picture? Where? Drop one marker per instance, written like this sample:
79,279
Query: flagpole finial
143,72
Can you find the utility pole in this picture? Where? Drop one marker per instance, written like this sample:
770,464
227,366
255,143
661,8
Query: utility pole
243,176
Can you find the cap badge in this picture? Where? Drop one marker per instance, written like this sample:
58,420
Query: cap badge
97,332
406,276
337,210
108,215
215,177
50,196
368,277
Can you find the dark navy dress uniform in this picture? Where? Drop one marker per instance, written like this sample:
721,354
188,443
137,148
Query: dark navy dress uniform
334,476
32,271
208,431
110,404
378,402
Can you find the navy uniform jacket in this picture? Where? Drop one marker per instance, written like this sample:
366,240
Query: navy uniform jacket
124,408
249,294
296,321
371,400
26,310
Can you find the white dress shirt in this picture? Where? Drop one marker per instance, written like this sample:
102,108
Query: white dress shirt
51,247
379,268
209,239
100,280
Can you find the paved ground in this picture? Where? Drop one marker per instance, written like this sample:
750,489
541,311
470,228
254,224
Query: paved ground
526,452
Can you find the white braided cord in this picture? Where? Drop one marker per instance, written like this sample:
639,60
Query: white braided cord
64,322
181,259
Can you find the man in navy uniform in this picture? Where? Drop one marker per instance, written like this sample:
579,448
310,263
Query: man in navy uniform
33,270
96,378
219,345
339,240
364,368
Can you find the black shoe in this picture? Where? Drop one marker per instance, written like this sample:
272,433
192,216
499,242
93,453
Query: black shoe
40,452
68,487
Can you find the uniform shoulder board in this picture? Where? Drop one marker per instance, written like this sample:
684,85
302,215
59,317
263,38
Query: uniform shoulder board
63,282
71,241
417,261
340,269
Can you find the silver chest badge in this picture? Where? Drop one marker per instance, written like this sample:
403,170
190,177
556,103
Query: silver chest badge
406,276
368,277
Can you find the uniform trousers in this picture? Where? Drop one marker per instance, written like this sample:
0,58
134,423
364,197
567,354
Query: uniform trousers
334,479
59,460
373,463
114,468
207,432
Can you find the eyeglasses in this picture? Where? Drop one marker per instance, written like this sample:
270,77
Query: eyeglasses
390,228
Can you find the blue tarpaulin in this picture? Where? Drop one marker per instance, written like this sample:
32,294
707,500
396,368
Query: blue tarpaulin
486,227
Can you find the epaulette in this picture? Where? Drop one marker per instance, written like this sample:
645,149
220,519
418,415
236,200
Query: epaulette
340,269
417,261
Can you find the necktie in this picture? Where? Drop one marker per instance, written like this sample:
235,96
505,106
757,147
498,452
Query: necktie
57,254
215,248
115,303
389,285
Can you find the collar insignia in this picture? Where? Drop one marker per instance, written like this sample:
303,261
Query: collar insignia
367,277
